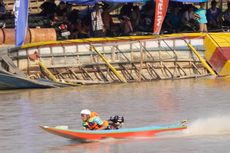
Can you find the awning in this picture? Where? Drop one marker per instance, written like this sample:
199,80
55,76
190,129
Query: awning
82,2
190,1
92,2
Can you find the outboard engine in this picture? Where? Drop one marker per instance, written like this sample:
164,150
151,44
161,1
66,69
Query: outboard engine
115,122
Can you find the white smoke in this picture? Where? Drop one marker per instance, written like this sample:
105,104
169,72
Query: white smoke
217,125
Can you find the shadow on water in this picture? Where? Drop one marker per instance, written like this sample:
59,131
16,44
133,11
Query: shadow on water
105,145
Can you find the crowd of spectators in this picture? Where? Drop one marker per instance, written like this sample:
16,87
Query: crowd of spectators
191,18
132,18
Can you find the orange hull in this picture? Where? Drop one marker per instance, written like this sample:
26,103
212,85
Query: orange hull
83,135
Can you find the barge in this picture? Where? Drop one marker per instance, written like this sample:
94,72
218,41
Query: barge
105,60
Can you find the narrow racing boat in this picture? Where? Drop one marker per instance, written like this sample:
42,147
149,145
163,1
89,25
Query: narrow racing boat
87,135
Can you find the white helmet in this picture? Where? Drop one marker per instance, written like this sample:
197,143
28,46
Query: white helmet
86,112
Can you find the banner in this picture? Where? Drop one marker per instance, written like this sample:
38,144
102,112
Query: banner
160,13
21,21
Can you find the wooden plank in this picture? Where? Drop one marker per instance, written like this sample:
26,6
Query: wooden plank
158,76
195,67
168,70
75,75
150,72
111,75
181,68
103,75
96,74
86,73
137,71
129,74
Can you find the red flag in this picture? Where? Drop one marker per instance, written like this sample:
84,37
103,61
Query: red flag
160,12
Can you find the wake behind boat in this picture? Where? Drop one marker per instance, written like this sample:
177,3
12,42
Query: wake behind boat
89,135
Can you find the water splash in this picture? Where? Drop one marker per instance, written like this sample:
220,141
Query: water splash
217,125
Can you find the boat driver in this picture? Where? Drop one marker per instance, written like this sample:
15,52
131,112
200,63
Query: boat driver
91,121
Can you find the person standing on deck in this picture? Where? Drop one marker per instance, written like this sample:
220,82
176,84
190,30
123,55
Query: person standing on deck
97,22
200,15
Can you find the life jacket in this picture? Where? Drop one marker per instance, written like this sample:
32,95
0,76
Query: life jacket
93,125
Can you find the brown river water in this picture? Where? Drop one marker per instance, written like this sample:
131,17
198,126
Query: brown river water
205,103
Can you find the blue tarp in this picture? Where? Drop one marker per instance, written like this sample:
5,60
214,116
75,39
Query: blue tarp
82,2
190,1
92,2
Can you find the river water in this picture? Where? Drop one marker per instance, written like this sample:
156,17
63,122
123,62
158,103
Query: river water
204,102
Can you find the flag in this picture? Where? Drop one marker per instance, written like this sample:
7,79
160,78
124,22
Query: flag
21,21
160,13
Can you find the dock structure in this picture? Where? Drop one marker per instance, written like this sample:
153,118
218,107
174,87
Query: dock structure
111,60
217,52
202,60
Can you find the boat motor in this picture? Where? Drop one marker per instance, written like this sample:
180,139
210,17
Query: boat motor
115,122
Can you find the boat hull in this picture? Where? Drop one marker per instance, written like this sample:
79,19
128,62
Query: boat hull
8,81
108,60
83,135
